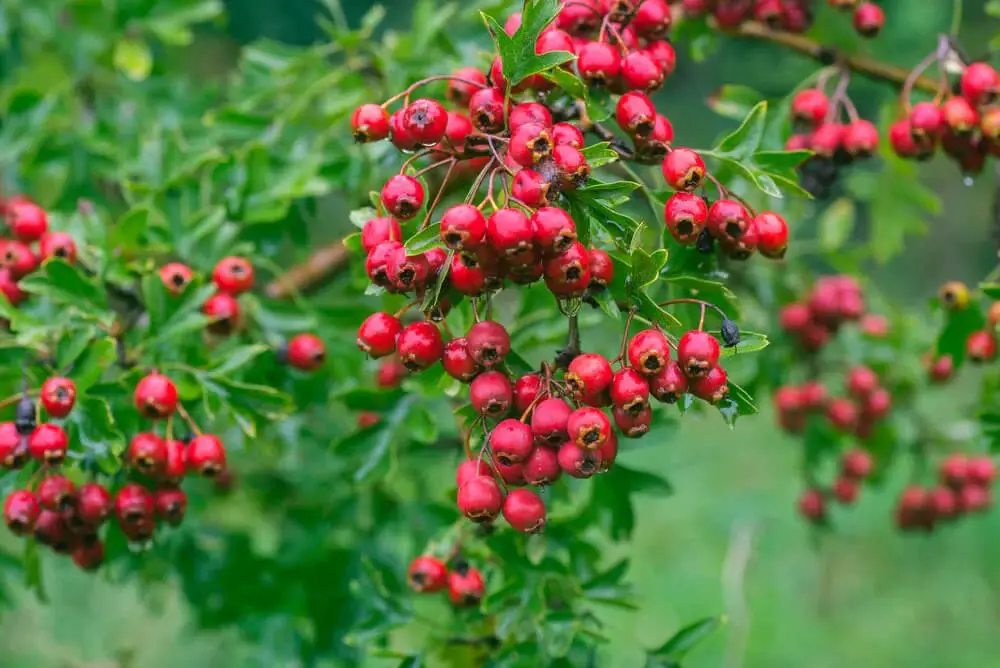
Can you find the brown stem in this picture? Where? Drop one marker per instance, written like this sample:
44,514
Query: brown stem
320,267
187,418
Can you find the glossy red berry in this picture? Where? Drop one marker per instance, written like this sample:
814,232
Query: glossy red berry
648,352
480,499
466,589
55,492
58,394
554,230
772,234
981,346
427,574
810,107
579,17
406,272
980,83
960,116
491,394
651,19
468,276
463,226
134,506
526,391
670,384
630,391
399,133
93,504
377,262
868,19
390,374
654,148
223,311
465,82
48,443
206,455
370,122
524,510
569,272
541,467
940,369
588,427
378,334
926,120
530,188
488,343
942,503
842,414
175,277
683,169
18,259
458,362
148,454
642,72
509,234
860,138
598,63
713,387
827,139
402,196
306,352
686,215
698,353
578,462
57,244
632,424
233,275
20,511
602,269
379,230
862,381
589,378
170,504
13,446
982,471
856,464
27,221
470,469
426,121
511,442
486,109
812,506
902,142
846,490
549,421
877,404
571,165
420,345
155,397
636,116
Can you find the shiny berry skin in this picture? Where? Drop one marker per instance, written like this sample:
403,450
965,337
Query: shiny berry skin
530,144
942,503
862,381
959,115
20,512
18,259
467,589
467,276
148,454
571,166
954,470
524,510
651,19
420,345
842,414
426,121
58,395
901,140
378,230
588,427
589,378
175,277
697,353
206,455
470,469
486,109
55,492
541,467
527,113
369,122
511,442
13,446
856,464
630,391
632,425
877,404
579,17
170,504
526,390
554,230
512,474
93,504
810,107
427,574
827,139
602,269
642,72
926,120
981,346
567,134
399,134
156,397
799,142
491,394
980,83
175,464
306,352
868,19
549,421
233,275
846,490
812,505
941,368
670,384
48,444
571,267
466,81
480,499
224,312
57,244
463,226
89,554
683,169
27,221
982,471
578,462
377,262
712,387
509,233
406,272
52,530
134,505
402,196
648,352
655,147
458,362
390,374
378,334
530,188
860,138
488,343
598,63
686,215
636,116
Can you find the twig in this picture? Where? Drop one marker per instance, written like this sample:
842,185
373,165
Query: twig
319,268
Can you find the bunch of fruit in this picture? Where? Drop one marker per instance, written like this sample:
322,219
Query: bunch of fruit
788,15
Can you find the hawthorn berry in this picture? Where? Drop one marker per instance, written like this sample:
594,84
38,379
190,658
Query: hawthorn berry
541,467
524,510
52,530
20,511
602,269
368,419
427,574
55,492
378,230
877,404
812,505
57,244
206,455
846,490
654,148
981,346
554,230
480,499
486,109
223,311
856,464
981,470
588,427
155,396
980,83
58,394
399,133
712,387
651,19
698,353
598,63
868,19
88,555
530,144
640,71
306,352
426,121
491,394
683,169
526,391
467,276
860,138
772,234
464,83
940,369
974,499
632,424
488,343
402,196
511,442
685,215
48,443
827,139
406,272
148,454
378,334
571,166
926,120
370,122
233,275
13,446
469,469
175,277
578,462
27,221
509,233
810,107
630,391
458,362
511,474
390,374
862,381
419,345
134,506
942,503
530,188
636,116
570,269
170,504
842,414
466,589
549,421
18,259
463,226
648,352
589,378
669,384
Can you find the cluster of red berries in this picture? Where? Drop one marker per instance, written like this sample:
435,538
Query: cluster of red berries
66,517
855,466
965,487
788,15
965,126
27,223
981,344
832,302
465,584
866,403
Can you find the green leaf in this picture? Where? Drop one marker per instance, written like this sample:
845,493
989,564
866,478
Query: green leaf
836,224
738,402
234,360
425,239
596,100
744,142
959,324
390,431
133,58
780,162
750,342
734,101
66,285
646,267
517,52
33,570
991,290
96,430
689,637
88,368
601,154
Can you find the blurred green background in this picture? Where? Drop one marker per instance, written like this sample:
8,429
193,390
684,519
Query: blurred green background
729,540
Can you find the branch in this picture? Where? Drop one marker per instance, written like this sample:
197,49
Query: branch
873,69
319,268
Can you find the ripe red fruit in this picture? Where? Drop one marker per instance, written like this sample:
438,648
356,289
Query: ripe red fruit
93,504
877,404
399,134
648,352
632,424
651,19
511,442
526,390
569,270
926,120
578,462
772,234
488,343
981,471
524,510
588,427
175,277
465,82
542,467
860,138
683,169
862,381
810,107
842,414
491,394
57,244
641,71
530,188
512,474
602,269
156,397
27,221
390,374
579,17
846,490
458,362
55,492
469,469
940,368
827,139
954,470
636,116
171,504
509,233
698,353
206,455
589,378
233,275
370,122
549,421
981,346
530,144
425,121
942,503
571,165
224,312
856,464
901,140
134,505
670,384
13,446
712,387
467,275
58,394
306,352
89,554
18,259
868,19
980,83
598,63
420,345
960,116
480,499
567,134
368,419
630,391
427,574
379,230
47,444
463,226
148,454
685,215
554,230
406,272
402,196
20,511
486,109
654,148
466,589
378,334
812,505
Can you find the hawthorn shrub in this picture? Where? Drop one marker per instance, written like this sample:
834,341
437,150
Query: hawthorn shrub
543,274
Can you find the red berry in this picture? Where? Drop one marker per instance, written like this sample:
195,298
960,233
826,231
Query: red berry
812,505
530,188
175,277
941,368
399,133
860,138
426,121
511,442
427,574
486,109
526,390
378,334
89,554
463,226
712,387
827,139
20,511
390,374
47,444
370,122
670,384
602,269
134,506
589,378
981,471
466,589
467,276
420,345
488,343
685,215
974,499
698,353
942,503
862,381
651,19
470,469
810,107
57,244
233,275
530,144
654,148
480,499
683,169
58,395
512,474
542,467
464,84
306,352
842,414
588,427
206,455
901,140
868,19
156,397
665,54
148,454
27,221
566,134
402,196
632,424
93,504
368,419
171,504
795,317
549,421
13,446
877,404
846,490
491,394
509,234
579,17
569,272
954,470
223,311
524,510
630,391
598,63
18,259
813,395
960,117
571,167
636,116
458,362
406,272
55,492
981,346
772,234
578,462
926,120
379,230
529,113
856,464
980,83
642,72
554,230
648,352
377,262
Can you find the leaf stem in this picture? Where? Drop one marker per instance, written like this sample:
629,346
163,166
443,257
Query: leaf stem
188,419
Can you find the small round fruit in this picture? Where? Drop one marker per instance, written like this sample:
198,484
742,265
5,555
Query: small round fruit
206,455
868,19
20,512
635,424
524,510
171,505
526,391
378,334
466,589
223,311
542,467
427,574
648,352
56,492
810,107
47,444
630,391
588,427
549,421
175,277
713,387
578,462
812,506
602,269
480,499
57,244
155,397
426,121
589,378
670,384
463,226
402,196
980,83
772,235
306,352
511,442
698,353
420,345
683,169
58,395
488,343
369,122
491,394
148,454
93,504
685,215
233,275
981,346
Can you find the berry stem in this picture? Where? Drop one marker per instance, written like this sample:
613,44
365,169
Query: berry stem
423,82
628,323
9,401
187,418
478,183
452,163
699,302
